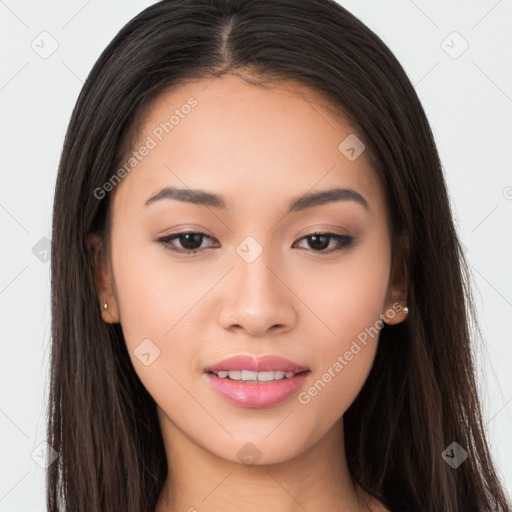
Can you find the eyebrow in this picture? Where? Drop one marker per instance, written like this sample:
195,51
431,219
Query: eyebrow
200,197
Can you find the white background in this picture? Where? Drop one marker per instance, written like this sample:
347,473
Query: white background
468,100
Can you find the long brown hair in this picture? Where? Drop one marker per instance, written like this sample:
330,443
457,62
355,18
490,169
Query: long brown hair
420,395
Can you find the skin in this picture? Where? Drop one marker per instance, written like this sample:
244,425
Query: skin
259,148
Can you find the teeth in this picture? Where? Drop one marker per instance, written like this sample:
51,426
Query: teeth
246,375
266,376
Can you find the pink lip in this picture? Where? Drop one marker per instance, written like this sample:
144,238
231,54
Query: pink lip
260,364
254,394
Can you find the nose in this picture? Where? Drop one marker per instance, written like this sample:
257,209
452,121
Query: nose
256,299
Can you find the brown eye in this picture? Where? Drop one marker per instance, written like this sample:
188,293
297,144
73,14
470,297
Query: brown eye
189,242
319,242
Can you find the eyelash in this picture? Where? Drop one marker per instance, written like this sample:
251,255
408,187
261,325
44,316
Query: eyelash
344,241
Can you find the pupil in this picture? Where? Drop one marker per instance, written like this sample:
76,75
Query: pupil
316,238
189,240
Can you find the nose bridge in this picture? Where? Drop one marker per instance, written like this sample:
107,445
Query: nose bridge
258,300
254,278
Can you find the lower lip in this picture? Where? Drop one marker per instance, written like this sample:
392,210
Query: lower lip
255,394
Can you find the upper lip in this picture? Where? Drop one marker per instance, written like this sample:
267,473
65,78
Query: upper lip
258,364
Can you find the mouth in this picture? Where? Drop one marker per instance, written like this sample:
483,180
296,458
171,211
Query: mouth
253,376
256,382
256,394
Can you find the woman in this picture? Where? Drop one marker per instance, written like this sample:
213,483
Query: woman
258,296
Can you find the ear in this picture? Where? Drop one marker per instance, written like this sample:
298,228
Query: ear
103,279
396,297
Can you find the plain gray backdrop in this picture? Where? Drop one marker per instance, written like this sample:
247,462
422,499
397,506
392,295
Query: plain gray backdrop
457,54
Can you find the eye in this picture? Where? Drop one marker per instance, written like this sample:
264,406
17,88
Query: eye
190,241
320,241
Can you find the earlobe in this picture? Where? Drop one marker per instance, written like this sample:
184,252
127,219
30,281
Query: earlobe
103,279
396,301
395,314
110,315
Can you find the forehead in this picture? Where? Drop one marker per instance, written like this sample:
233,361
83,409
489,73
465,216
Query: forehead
224,135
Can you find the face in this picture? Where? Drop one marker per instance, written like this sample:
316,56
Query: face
270,270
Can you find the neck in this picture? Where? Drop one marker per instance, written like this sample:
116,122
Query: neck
199,481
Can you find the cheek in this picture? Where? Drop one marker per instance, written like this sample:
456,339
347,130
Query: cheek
346,295
348,301
344,357
153,294
161,344
155,301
